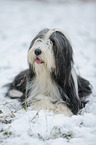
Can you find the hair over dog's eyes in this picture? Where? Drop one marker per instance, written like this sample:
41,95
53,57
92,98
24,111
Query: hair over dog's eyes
49,42
38,40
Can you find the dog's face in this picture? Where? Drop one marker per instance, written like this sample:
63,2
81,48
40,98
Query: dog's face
50,50
41,55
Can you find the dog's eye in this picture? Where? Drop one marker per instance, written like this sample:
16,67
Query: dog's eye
49,42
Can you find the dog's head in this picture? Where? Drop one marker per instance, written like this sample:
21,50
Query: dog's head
51,50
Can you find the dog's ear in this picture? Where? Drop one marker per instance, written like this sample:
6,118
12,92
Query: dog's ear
63,57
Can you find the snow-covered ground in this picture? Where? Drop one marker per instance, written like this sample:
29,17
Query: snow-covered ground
20,21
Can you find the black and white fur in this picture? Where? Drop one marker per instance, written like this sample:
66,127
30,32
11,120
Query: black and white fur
51,81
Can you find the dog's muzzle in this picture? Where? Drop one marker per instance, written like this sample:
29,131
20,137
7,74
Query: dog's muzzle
37,53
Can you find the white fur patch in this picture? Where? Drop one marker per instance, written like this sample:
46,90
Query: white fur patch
14,93
44,103
42,84
74,75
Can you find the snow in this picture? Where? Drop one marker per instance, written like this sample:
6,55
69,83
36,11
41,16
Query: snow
20,21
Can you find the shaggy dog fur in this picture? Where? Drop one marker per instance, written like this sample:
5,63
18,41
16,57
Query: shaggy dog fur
51,82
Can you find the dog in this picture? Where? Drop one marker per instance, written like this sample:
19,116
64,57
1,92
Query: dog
51,82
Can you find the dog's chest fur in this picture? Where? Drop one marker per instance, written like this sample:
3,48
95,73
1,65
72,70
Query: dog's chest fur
42,84
44,94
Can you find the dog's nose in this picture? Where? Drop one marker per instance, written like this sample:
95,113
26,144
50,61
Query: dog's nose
37,51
